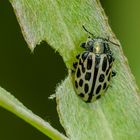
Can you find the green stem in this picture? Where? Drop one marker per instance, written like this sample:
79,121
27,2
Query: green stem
10,103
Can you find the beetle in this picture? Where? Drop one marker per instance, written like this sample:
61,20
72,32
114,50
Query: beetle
93,68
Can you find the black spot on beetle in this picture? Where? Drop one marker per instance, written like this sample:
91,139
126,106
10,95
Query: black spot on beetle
89,62
83,68
107,71
78,74
87,76
109,76
80,62
104,86
75,64
101,78
86,88
98,89
76,84
80,82
104,64
81,95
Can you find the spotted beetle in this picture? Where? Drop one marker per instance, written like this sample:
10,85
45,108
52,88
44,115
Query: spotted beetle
93,68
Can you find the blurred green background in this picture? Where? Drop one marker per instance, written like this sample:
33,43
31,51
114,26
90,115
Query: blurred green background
28,76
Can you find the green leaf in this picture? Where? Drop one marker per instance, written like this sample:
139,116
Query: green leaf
114,116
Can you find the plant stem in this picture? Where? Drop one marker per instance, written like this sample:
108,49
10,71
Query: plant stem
10,103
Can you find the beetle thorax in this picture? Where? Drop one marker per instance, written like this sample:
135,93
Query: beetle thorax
95,46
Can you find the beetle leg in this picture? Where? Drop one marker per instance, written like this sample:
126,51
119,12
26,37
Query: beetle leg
72,71
113,73
113,59
75,64
83,45
78,56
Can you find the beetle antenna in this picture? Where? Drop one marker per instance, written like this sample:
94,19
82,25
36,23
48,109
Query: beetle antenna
87,30
112,42
107,39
